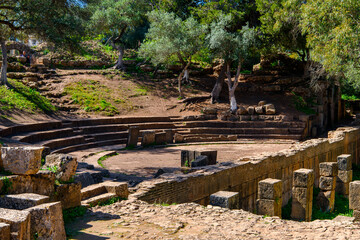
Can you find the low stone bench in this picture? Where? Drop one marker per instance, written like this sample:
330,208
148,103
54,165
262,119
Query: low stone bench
225,199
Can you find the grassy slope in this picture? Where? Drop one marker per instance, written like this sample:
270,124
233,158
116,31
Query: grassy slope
23,98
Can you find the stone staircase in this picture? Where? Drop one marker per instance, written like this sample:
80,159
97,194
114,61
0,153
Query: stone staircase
72,135
99,193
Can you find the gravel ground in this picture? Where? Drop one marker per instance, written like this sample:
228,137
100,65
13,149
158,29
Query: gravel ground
133,219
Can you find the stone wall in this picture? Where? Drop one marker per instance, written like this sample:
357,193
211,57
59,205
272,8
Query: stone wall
243,175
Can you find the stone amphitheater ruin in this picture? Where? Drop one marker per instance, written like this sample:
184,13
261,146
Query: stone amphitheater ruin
33,196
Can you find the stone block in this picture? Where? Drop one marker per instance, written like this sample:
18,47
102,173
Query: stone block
211,111
211,154
225,199
187,157
326,200
133,136
344,162
148,138
302,199
21,160
241,111
22,201
345,176
4,231
200,161
68,194
245,118
19,222
356,215
262,103
328,169
160,138
270,189
169,136
303,178
259,110
251,110
119,188
178,138
354,195
47,221
84,178
327,183
64,166
342,188
269,207
269,109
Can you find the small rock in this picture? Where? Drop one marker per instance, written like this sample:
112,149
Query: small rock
261,103
259,110
251,110
241,111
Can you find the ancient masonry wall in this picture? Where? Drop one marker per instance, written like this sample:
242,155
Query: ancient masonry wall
243,176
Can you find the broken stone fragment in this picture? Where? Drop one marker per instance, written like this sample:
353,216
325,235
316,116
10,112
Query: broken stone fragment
242,111
259,110
21,160
63,165
251,110
261,103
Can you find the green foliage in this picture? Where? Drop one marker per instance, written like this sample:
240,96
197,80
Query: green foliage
71,214
111,201
103,158
356,172
351,98
53,169
302,105
169,37
341,208
286,210
7,185
92,96
23,98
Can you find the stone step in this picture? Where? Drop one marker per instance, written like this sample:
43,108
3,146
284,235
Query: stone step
83,146
19,222
18,129
22,201
31,137
108,135
214,137
63,142
243,124
118,120
92,191
97,199
243,130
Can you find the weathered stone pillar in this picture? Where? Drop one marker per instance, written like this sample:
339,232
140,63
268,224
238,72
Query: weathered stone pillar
148,138
270,197
169,136
327,183
302,194
354,199
345,174
225,199
133,137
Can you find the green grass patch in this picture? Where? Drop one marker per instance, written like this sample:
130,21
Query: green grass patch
103,158
165,204
23,98
71,214
111,201
302,105
140,91
92,96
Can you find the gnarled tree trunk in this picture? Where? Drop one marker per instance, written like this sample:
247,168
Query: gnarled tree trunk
185,69
232,86
215,93
120,63
3,78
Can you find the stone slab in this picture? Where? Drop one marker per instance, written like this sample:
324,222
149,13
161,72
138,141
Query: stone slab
356,215
303,178
302,200
345,176
160,138
344,162
21,160
22,201
47,221
133,136
328,169
225,199
148,138
326,201
342,188
327,183
270,189
269,207
119,188
4,231
187,157
211,154
64,166
19,222
200,161
354,195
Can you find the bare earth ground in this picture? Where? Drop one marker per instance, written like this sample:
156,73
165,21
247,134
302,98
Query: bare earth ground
138,220
146,162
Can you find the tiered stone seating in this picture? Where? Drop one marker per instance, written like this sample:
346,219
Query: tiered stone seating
71,135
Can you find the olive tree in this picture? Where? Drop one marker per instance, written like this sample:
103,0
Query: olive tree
170,37
116,18
232,47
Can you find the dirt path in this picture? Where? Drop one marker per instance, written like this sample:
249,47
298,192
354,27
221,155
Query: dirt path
139,220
